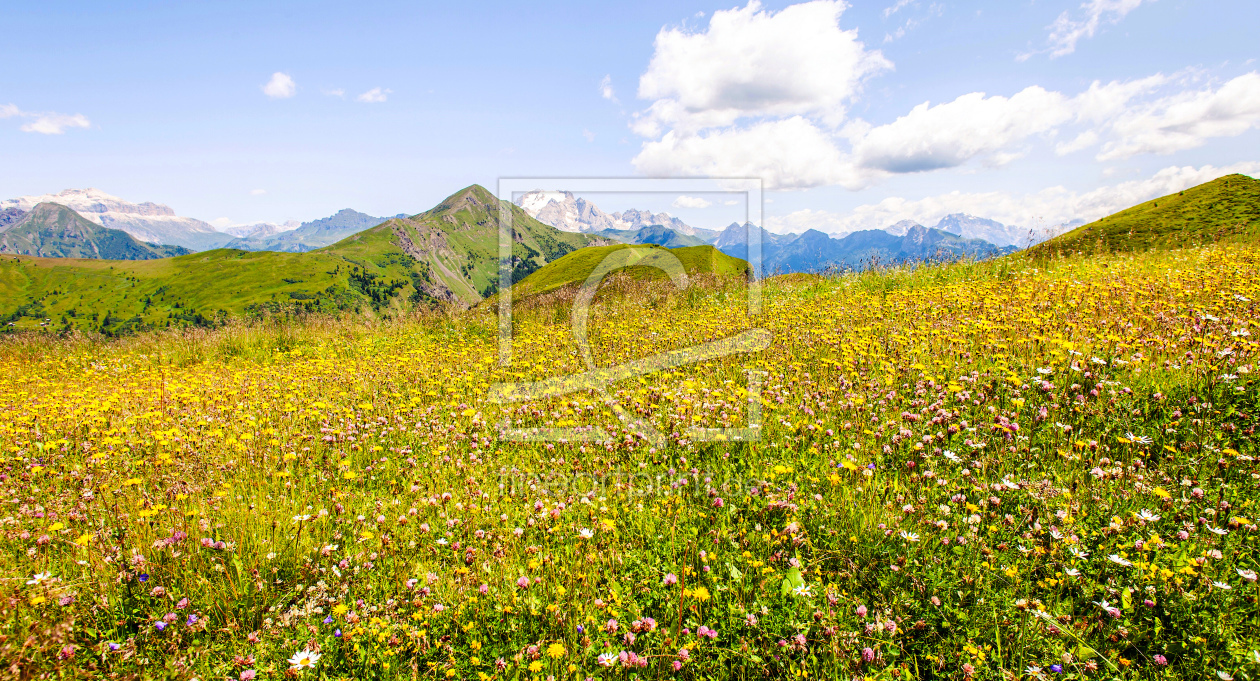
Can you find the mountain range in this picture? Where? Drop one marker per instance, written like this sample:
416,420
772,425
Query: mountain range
308,236
106,281
566,212
147,222
814,251
448,254
50,230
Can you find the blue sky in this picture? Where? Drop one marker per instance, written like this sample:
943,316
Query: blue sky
856,116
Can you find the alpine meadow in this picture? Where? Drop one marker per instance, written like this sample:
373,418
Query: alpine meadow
776,339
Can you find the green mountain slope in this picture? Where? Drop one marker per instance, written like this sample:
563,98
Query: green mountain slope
51,230
447,254
1225,209
576,267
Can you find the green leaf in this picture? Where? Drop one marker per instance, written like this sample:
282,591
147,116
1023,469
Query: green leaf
792,580
735,573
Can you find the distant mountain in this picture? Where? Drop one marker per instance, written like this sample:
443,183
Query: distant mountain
148,222
50,230
310,235
733,241
566,212
261,230
900,228
1226,209
815,251
972,227
659,235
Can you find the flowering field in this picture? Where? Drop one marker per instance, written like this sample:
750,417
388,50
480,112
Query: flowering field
1013,469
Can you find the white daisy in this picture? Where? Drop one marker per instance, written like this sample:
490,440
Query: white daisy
303,660
1115,558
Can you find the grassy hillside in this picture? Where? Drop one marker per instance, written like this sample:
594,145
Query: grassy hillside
576,267
446,255
1225,209
51,230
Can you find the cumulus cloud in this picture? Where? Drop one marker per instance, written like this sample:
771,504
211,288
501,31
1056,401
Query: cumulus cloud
257,192
788,153
1035,211
950,134
606,89
1068,30
281,86
375,95
47,123
691,202
751,62
1185,120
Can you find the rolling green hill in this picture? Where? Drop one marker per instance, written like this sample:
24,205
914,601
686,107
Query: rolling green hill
51,230
1225,209
446,255
576,267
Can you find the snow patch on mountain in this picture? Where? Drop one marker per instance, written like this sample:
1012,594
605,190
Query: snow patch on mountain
569,213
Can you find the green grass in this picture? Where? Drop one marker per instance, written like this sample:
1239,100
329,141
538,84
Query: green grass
575,267
1226,209
957,466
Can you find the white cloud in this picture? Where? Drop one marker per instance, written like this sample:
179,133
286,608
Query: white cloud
257,192
56,124
48,123
590,136
1082,141
375,95
281,86
335,92
896,7
752,63
1185,120
1066,31
950,134
691,202
787,154
606,89
1036,211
